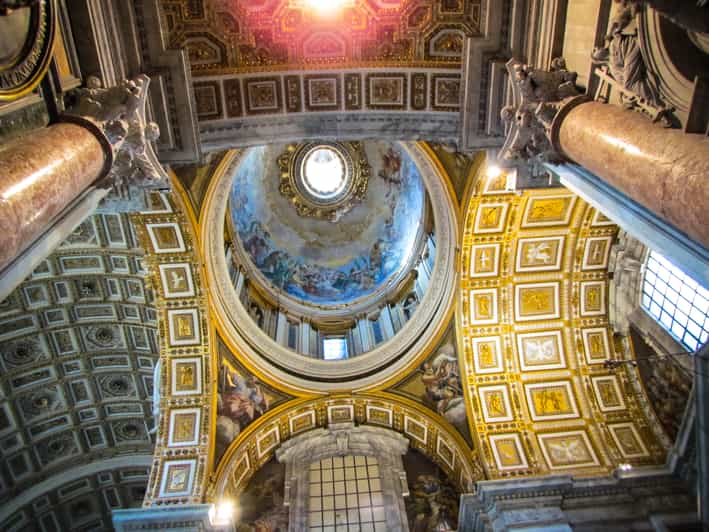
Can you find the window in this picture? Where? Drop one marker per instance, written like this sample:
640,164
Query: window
377,330
346,494
292,335
676,301
334,348
324,173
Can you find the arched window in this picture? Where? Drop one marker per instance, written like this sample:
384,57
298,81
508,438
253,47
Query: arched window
676,301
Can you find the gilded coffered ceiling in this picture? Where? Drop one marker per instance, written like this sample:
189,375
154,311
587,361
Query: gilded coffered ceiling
78,345
227,36
535,337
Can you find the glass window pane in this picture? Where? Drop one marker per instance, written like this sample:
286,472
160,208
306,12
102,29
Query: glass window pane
650,278
655,309
683,305
676,301
672,295
694,329
334,348
652,264
677,329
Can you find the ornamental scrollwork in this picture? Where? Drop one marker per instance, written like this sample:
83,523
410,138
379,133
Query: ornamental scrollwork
119,113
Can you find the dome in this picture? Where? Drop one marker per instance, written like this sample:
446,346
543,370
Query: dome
328,224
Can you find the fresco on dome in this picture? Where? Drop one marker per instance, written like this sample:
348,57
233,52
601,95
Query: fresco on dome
326,262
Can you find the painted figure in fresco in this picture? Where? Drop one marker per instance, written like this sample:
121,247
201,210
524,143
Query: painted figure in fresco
391,174
256,245
433,505
441,378
242,398
240,401
262,501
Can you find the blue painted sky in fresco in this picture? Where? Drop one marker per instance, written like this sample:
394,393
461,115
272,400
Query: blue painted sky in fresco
312,260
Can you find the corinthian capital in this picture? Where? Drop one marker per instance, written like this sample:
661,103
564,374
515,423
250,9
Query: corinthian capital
119,113
537,96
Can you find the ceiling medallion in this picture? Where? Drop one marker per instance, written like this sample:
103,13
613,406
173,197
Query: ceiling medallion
324,180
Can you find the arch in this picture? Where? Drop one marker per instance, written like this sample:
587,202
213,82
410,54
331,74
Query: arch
425,430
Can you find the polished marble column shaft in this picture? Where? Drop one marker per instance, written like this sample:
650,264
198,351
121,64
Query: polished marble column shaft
40,175
664,170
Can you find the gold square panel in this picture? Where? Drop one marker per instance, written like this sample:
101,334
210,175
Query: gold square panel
491,217
539,254
487,355
628,440
596,253
495,403
415,429
593,298
340,413
508,452
177,478
379,416
186,376
537,301
301,422
166,237
495,185
540,351
485,260
549,401
177,280
183,327
546,211
241,469
445,452
184,427
567,450
483,306
267,441
595,345
608,393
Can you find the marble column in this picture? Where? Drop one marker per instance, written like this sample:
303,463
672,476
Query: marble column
40,175
103,140
665,170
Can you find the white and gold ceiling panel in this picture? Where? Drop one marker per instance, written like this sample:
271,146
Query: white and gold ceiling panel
534,331
78,347
182,453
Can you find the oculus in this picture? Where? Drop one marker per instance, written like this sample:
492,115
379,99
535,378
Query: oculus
324,180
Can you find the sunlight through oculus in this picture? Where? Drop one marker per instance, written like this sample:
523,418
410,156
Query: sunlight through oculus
324,173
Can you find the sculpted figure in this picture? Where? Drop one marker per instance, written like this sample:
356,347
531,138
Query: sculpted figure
120,113
623,56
